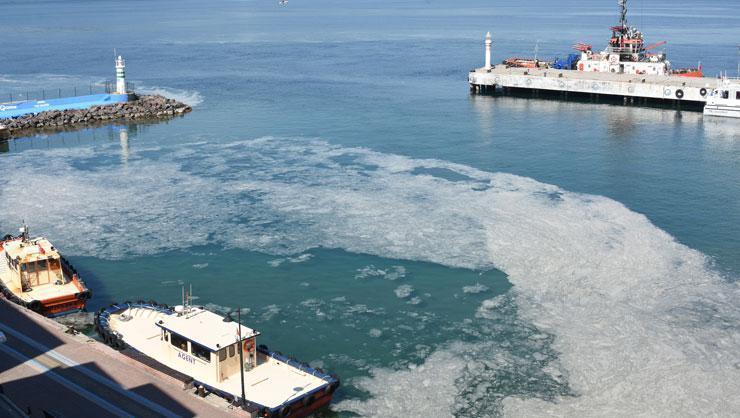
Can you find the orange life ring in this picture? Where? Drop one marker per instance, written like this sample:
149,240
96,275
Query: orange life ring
247,346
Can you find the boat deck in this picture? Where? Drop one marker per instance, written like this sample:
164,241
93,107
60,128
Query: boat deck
49,291
271,383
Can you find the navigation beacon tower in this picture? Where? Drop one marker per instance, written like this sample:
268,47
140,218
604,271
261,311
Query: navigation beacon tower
488,51
120,75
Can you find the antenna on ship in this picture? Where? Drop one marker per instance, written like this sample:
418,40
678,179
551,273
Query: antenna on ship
24,231
623,13
241,354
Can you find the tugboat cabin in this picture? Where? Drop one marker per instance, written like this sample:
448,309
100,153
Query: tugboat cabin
34,274
206,344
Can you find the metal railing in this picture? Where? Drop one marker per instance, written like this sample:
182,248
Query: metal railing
106,87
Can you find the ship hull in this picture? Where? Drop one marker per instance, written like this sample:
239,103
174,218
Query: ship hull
722,111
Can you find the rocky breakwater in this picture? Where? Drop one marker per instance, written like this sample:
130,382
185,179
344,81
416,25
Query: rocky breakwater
139,108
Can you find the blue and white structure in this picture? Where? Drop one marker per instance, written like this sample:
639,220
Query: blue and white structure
15,109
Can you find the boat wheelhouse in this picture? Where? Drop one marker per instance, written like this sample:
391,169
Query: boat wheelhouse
724,100
34,274
217,353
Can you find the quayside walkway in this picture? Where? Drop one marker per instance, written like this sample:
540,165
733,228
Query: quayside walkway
45,370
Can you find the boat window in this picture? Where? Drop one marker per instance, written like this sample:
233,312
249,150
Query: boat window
41,265
179,342
725,94
737,95
200,351
54,264
30,267
232,350
55,268
222,355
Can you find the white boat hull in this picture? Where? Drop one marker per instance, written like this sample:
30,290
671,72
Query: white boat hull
722,111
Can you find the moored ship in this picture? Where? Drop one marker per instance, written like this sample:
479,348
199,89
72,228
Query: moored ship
724,100
34,274
219,354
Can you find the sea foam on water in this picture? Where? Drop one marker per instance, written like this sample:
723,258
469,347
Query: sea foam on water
640,323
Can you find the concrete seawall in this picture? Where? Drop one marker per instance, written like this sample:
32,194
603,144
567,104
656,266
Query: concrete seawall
141,108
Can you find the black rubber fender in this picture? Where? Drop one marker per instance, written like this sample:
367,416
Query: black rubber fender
34,305
285,411
120,344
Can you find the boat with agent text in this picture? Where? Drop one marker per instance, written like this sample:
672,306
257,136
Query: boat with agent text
219,354
34,274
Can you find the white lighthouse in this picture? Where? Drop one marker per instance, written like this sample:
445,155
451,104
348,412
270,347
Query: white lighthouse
120,75
488,50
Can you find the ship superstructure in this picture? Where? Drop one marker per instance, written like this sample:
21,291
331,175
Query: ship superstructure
627,53
34,274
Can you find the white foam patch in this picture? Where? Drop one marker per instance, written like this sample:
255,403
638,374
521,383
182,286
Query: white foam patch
189,97
403,291
393,273
475,288
642,324
421,391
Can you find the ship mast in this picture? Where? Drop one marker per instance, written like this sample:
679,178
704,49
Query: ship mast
622,13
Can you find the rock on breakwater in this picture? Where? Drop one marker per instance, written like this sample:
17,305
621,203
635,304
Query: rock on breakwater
140,108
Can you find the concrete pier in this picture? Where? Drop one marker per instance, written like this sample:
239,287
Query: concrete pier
47,372
684,92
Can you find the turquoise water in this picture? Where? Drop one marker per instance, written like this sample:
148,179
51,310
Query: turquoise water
445,254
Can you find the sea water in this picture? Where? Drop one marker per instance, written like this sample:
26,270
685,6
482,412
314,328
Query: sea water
445,254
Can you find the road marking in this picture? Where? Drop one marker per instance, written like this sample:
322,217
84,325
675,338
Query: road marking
66,383
84,370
